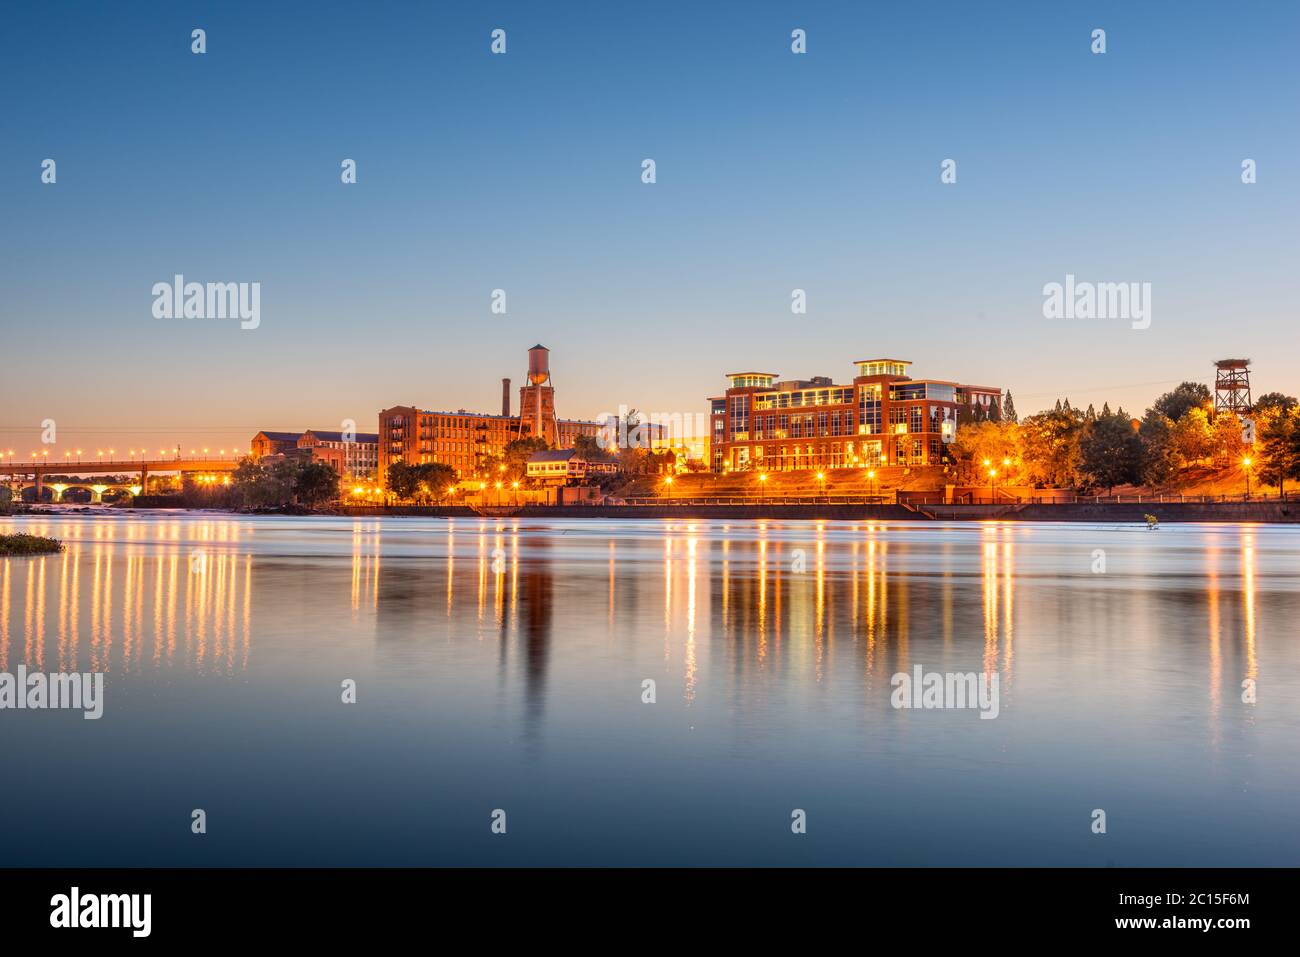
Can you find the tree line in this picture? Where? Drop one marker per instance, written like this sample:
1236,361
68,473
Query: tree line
1089,449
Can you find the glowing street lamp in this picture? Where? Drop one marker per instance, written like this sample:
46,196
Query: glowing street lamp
1246,464
762,485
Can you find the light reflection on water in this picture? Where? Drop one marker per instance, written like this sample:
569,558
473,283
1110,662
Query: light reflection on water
503,660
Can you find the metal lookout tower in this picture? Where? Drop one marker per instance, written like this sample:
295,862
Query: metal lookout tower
1232,386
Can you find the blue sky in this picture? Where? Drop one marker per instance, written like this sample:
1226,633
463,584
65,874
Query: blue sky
522,172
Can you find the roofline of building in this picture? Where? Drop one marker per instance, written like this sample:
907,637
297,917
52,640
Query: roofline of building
732,375
491,415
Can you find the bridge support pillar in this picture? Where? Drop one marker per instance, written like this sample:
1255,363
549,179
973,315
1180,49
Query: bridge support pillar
40,486
144,480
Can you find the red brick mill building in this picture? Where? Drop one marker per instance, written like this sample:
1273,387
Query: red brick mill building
468,440
883,417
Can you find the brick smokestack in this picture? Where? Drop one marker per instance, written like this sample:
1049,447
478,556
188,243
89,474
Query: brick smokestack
505,397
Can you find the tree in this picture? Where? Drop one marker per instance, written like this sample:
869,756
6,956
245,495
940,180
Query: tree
247,479
1225,433
588,447
518,452
1279,448
991,441
282,481
1159,463
1274,400
1009,408
261,485
421,481
1188,395
1051,447
630,433
432,479
1192,438
315,484
1110,452
402,480
905,445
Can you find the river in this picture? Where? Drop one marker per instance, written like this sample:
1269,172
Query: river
651,692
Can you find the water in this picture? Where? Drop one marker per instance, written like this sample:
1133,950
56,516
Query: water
499,665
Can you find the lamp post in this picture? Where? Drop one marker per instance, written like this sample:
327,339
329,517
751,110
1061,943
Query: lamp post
992,475
1246,464
871,476
762,485
821,477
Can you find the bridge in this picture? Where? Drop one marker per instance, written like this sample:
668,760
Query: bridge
39,471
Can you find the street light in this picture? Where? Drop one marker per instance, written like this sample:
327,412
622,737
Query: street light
821,477
992,475
1246,463
762,484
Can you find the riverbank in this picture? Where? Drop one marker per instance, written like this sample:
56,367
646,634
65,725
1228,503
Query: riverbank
1273,512
1270,512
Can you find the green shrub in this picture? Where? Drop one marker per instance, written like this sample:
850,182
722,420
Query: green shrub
28,545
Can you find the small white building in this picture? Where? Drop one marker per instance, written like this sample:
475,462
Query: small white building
561,466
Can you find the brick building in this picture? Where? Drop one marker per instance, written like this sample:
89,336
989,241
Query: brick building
882,417
468,440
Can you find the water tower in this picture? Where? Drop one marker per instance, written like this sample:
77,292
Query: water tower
537,399
1232,386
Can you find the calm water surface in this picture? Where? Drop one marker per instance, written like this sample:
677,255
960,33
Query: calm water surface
500,664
